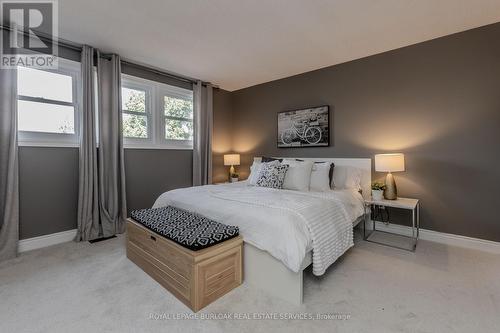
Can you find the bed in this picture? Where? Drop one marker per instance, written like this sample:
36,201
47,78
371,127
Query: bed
284,231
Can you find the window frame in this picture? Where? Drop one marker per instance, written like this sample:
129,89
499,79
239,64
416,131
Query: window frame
156,127
45,139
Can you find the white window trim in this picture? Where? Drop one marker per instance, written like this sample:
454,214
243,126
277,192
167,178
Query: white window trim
43,139
157,91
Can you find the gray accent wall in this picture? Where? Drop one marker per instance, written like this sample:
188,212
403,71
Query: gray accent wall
49,184
48,190
145,73
222,134
438,102
149,173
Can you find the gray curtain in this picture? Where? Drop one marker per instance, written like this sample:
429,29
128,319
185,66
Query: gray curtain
112,198
202,141
88,195
102,206
9,173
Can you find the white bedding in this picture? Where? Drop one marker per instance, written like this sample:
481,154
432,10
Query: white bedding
286,224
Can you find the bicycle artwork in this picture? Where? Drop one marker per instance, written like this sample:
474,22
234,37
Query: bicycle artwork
304,128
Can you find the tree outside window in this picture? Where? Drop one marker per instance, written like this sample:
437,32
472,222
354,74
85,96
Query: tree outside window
134,113
178,118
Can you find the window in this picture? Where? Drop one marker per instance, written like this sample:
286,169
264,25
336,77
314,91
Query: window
156,115
47,102
135,117
178,111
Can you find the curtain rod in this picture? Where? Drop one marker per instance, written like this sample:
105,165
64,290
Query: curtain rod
78,47
164,73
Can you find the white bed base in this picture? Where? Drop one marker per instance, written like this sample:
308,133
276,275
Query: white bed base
268,274
263,271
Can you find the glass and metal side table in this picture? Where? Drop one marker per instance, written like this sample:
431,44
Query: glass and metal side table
374,235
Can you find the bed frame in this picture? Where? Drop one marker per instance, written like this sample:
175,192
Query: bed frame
267,273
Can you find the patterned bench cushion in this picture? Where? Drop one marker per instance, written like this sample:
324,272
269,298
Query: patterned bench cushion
191,230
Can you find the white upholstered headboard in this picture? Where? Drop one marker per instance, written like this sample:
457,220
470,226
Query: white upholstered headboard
364,164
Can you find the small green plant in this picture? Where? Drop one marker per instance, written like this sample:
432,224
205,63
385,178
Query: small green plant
378,186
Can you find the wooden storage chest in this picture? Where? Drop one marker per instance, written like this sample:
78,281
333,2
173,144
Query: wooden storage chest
196,278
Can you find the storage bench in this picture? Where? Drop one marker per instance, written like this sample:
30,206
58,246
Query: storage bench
197,278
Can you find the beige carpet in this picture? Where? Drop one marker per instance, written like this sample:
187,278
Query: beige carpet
79,287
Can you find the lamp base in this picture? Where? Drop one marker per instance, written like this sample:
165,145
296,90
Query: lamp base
391,191
231,173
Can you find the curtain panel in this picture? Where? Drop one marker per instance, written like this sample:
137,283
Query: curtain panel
88,194
102,208
111,165
9,170
202,140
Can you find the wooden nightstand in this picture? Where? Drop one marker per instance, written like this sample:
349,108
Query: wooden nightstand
403,203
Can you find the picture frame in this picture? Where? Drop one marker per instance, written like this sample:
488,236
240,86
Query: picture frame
301,128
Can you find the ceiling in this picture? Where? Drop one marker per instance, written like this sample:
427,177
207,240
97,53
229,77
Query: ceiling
238,43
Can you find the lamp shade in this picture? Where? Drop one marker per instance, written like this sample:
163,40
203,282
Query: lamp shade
232,159
389,162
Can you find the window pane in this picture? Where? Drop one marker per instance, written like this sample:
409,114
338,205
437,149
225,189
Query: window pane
177,107
178,129
42,117
135,126
133,100
38,83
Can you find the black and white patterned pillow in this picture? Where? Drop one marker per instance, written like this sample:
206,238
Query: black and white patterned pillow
272,175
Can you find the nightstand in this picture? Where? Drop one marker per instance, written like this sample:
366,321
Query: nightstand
226,182
404,203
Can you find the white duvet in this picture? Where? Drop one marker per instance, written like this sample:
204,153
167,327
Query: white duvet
286,224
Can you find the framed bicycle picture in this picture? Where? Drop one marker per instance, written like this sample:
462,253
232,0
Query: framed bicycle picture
304,128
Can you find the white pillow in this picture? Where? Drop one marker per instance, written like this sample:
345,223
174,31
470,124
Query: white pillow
255,171
320,177
298,175
346,177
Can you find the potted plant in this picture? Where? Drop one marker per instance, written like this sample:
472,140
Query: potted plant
234,177
378,191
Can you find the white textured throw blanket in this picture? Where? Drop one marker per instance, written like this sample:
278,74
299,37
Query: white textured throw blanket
284,223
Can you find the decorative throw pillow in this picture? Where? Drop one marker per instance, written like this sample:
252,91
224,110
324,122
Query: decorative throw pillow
272,175
255,171
270,159
346,177
330,173
320,180
298,175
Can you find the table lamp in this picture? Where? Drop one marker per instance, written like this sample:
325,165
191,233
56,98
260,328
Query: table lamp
232,160
390,163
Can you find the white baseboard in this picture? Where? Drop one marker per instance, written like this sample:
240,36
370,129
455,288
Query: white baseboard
441,237
46,240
